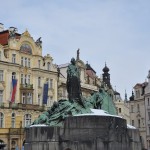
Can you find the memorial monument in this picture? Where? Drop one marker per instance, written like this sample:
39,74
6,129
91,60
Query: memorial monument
81,124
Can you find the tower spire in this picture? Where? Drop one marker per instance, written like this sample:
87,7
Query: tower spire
126,96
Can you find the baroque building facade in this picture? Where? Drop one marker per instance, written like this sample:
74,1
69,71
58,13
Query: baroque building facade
24,72
138,110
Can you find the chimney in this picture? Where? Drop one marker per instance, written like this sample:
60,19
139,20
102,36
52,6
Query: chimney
1,27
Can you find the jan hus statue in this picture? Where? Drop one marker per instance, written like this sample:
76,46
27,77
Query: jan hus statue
73,82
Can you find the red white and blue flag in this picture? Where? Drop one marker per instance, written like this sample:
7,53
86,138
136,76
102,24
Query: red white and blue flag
14,87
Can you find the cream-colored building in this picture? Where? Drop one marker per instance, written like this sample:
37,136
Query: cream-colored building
147,111
21,61
137,110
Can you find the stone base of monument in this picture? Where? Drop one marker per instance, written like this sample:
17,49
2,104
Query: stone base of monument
84,133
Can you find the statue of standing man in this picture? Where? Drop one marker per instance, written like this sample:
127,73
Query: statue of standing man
73,82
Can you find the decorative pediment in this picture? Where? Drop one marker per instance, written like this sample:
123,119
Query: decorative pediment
26,33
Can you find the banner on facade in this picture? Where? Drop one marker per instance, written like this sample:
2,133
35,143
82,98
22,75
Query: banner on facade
45,93
14,87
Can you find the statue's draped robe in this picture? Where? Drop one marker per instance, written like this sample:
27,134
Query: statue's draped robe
73,82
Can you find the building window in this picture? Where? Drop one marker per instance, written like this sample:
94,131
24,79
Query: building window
149,115
14,75
21,61
27,120
132,122
51,100
1,75
139,123
137,93
39,99
28,62
148,101
1,96
131,108
1,120
39,81
22,79
23,98
13,58
51,84
39,63
119,110
138,107
48,66
64,92
28,79
13,120
149,130
25,79
29,98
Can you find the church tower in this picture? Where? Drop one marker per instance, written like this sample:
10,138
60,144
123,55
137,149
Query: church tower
106,76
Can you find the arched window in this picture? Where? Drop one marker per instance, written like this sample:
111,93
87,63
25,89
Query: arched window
14,75
39,81
48,66
27,120
2,144
1,120
13,120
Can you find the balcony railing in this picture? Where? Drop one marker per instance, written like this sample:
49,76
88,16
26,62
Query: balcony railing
26,106
26,86
16,131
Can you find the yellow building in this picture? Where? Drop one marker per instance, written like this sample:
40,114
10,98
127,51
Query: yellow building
24,72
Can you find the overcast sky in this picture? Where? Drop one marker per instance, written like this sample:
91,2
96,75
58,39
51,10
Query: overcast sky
115,31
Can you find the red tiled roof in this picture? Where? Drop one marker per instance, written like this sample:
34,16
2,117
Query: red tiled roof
90,73
4,35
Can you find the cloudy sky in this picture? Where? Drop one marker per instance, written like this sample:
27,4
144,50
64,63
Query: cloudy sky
113,31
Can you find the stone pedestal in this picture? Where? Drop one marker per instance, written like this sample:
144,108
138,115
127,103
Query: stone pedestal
84,133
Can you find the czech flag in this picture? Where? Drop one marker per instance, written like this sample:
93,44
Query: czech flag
14,87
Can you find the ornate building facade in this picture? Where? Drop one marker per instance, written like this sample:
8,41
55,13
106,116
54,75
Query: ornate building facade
24,72
138,110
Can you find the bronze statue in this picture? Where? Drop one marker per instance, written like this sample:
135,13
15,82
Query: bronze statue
73,82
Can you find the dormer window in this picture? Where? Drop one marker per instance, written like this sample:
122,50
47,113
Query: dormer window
14,75
137,94
48,66
13,58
